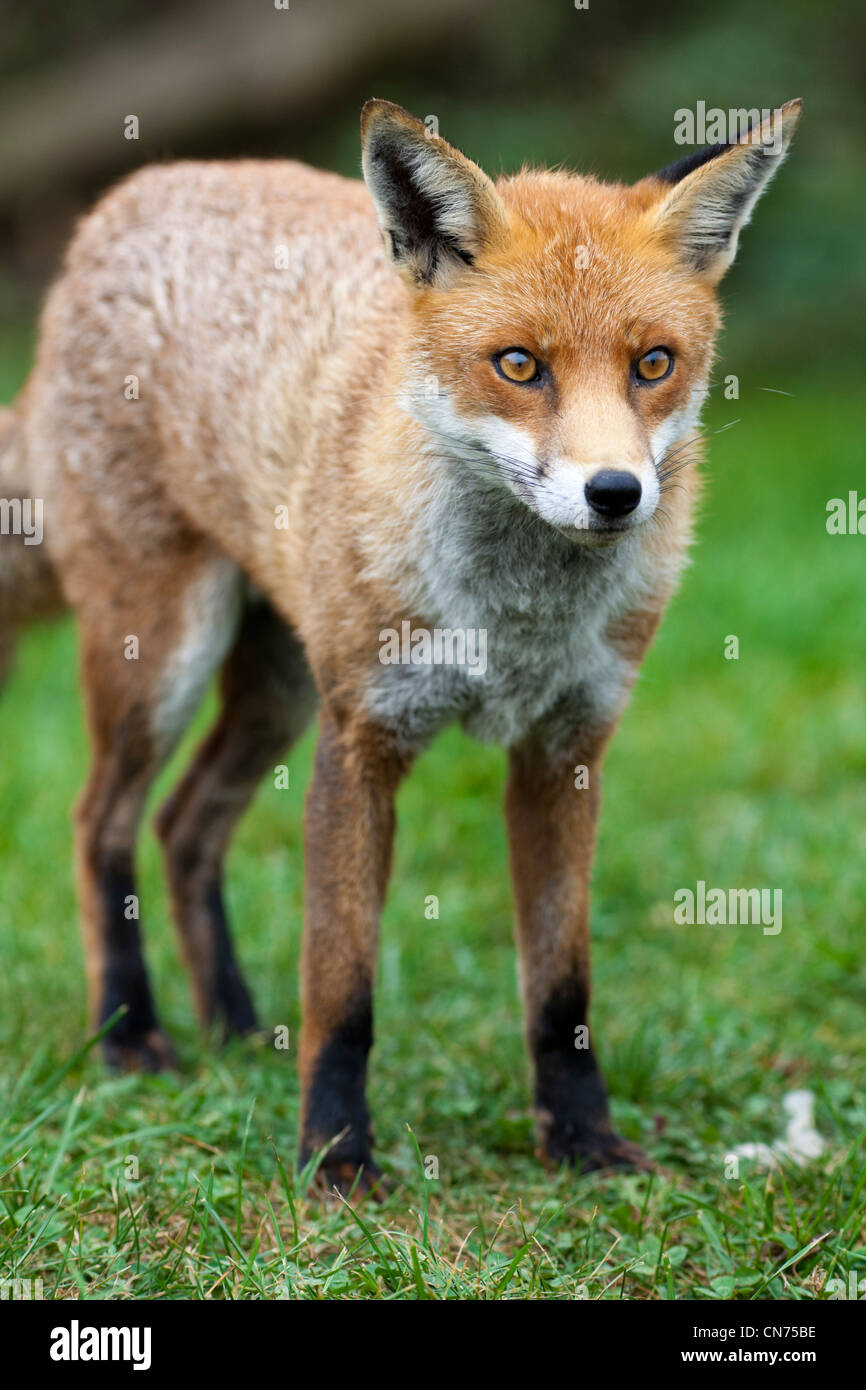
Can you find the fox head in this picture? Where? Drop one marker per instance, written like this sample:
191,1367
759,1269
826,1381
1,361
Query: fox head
561,329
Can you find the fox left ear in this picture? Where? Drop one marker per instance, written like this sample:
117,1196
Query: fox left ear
713,193
437,210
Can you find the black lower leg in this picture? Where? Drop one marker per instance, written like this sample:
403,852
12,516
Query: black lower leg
124,974
335,1104
231,997
569,1091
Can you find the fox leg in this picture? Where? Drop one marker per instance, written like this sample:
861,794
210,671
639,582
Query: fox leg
149,645
107,817
349,826
267,697
551,829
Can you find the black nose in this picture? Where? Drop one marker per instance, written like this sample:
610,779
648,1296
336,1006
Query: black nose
613,492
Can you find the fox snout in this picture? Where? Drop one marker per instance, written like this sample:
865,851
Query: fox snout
595,503
613,492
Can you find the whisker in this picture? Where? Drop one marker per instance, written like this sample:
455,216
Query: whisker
666,473
670,487
677,455
519,470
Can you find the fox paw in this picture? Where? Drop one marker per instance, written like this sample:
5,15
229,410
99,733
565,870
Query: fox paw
149,1052
354,1181
595,1151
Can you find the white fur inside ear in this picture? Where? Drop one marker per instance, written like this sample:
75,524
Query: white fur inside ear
709,229
436,209
448,190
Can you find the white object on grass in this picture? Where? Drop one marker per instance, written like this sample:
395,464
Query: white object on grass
801,1142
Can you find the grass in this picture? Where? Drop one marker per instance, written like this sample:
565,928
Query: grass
746,772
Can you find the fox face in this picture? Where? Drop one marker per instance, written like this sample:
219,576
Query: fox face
561,331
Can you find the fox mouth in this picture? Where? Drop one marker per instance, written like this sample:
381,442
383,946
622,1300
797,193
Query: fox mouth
598,536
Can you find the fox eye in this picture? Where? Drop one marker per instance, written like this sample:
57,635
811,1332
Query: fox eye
655,365
515,364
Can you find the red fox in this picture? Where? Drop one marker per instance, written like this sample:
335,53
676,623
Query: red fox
414,452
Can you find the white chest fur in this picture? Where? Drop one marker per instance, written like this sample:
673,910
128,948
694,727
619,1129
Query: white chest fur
535,603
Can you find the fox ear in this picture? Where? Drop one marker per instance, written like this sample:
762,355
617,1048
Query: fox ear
712,193
437,210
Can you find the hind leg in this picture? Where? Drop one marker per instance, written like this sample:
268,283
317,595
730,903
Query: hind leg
267,699
107,817
150,642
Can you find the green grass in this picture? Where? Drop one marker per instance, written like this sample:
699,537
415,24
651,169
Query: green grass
747,772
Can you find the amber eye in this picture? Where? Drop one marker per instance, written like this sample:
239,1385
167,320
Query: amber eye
655,364
517,365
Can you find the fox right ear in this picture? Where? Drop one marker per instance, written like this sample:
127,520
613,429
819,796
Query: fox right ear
437,210
709,197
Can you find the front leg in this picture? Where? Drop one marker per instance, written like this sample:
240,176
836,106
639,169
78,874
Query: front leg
349,826
551,830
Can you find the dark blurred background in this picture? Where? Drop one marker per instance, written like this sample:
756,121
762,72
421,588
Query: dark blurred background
509,82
